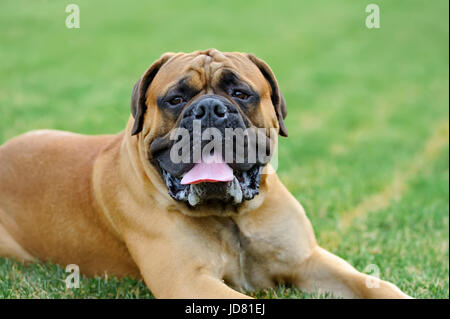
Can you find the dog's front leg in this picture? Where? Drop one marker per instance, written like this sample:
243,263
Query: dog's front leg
171,271
325,272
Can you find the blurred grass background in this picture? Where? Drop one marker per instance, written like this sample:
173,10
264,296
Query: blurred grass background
367,153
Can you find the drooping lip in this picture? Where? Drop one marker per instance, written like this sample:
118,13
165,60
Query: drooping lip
160,152
244,186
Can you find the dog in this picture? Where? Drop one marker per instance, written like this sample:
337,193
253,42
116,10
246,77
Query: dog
120,204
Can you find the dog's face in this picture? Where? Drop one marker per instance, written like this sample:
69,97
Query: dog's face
185,103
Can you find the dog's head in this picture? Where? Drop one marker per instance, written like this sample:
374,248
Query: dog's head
205,119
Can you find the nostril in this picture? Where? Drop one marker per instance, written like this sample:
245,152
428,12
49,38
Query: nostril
220,110
199,111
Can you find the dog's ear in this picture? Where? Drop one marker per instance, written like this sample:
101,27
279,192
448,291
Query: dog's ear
277,98
138,106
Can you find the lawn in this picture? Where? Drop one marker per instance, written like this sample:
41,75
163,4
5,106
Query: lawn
368,147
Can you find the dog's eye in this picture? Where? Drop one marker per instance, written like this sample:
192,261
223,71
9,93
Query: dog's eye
239,94
176,100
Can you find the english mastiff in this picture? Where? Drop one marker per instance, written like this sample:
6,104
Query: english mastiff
120,204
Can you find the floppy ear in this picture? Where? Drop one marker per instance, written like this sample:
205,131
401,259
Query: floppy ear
277,98
138,106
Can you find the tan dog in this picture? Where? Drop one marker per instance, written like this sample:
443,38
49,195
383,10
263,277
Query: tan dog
113,203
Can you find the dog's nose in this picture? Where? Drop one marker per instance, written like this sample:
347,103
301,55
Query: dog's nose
209,108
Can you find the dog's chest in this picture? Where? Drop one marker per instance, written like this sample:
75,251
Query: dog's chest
254,260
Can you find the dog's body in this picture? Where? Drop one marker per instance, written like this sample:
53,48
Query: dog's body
96,201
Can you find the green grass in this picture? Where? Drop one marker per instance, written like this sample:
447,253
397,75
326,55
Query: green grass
363,106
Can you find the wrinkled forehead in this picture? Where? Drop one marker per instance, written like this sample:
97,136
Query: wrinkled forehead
204,69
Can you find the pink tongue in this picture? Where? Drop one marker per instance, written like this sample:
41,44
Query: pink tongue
212,169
